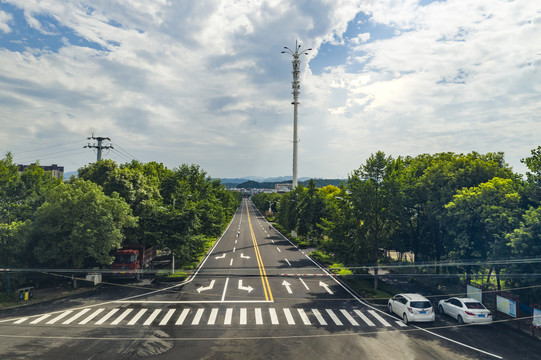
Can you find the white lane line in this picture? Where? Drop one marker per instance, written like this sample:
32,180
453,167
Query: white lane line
76,316
121,317
21,320
40,319
273,316
213,315
234,249
107,317
287,261
379,318
364,318
167,317
319,317
235,241
231,262
278,249
258,316
334,317
306,286
349,317
182,316
304,317
225,288
289,317
272,241
228,316
61,316
91,316
197,317
137,317
401,323
243,316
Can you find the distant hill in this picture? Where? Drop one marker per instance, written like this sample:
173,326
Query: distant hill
251,184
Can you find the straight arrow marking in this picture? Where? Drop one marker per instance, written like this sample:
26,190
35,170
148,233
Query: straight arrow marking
326,287
288,286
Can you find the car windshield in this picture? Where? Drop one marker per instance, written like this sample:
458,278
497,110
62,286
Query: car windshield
124,258
420,304
474,305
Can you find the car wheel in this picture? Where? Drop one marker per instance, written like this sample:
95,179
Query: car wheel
440,309
390,309
405,318
460,320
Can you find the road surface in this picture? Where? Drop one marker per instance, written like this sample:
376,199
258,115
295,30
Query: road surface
255,296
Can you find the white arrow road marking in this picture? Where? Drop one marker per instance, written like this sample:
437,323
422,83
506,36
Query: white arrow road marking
244,257
205,288
288,287
220,257
306,286
322,284
247,288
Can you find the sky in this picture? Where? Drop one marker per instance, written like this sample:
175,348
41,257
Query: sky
205,82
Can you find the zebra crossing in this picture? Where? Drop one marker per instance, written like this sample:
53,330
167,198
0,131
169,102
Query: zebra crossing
190,316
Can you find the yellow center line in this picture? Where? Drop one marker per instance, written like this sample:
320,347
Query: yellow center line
264,280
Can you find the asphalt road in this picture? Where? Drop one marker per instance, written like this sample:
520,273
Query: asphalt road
256,296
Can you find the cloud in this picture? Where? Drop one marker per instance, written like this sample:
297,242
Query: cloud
5,20
205,82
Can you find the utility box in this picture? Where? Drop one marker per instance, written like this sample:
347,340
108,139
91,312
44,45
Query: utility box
94,278
26,294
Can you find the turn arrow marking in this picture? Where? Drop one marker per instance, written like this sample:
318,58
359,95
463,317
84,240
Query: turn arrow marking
205,288
247,288
244,257
326,287
220,257
287,285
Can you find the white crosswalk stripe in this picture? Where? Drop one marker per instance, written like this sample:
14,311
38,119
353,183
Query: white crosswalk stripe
334,317
182,316
364,318
289,317
379,318
137,317
152,317
91,316
319,317
196,316
167,316
59,317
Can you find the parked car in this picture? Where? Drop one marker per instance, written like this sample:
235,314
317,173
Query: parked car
465,310
412,307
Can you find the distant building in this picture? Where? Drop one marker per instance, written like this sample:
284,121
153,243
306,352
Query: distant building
284,187
55,170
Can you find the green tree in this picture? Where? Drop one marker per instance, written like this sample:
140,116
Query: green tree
479,219
79,225
375,197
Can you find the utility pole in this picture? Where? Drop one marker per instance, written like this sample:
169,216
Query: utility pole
296,85
99,146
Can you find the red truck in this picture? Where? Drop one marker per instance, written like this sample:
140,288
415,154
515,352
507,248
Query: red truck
132,259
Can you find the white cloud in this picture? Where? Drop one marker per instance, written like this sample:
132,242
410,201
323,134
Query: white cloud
5,20
205,82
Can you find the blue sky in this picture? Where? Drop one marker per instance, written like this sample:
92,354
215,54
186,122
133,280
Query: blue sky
204,82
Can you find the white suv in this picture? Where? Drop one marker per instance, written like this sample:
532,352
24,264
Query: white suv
412,307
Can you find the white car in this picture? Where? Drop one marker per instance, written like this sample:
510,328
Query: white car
412,307
465,310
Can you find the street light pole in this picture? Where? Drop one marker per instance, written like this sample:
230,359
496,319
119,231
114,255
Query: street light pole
296,84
